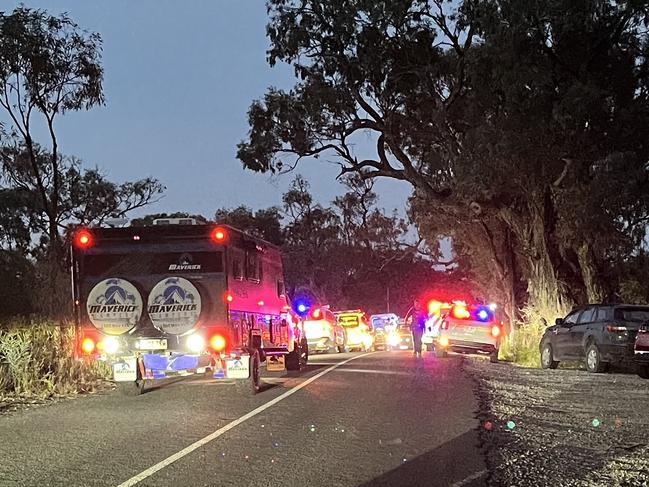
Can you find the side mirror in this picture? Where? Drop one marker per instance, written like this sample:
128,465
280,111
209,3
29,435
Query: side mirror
559,322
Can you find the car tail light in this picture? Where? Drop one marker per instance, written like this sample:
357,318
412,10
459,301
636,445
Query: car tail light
88,345
83,239
616,328
444,325
218,343
443,341
495,331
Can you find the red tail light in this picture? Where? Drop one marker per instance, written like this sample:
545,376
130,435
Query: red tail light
229,298
496,331
83,239
218,343
616,328
88,345
219,235
444,325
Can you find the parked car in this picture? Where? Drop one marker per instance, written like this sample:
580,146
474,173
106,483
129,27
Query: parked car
641,351
597,334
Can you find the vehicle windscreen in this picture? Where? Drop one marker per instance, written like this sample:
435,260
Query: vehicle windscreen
639,315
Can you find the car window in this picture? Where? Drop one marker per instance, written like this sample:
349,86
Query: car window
587,316
632,314
604,313
571,319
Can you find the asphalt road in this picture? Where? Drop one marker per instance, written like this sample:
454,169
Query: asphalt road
384,418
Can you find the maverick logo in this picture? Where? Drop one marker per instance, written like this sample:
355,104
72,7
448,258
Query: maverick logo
184,267
171,308
114,306
174,305
185,263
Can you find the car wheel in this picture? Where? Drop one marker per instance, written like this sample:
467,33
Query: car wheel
252,384
594,362
293,358
547,358
493,357
643,370
441,353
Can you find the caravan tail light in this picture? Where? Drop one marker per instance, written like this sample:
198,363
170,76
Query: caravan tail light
219,235
83,239
495,331
88,345
217,343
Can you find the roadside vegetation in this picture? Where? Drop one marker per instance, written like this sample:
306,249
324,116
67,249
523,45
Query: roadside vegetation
37,362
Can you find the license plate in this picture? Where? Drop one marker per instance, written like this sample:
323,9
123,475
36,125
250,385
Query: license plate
125,370
469,330
152,344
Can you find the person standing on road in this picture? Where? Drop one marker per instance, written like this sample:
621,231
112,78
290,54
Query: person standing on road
418,319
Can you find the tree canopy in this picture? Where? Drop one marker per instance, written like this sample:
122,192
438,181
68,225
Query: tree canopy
521,126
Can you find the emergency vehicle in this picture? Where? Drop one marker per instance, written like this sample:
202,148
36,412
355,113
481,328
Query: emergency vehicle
322,331
358,332
176,299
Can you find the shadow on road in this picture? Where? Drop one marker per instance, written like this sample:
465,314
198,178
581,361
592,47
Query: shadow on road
454,463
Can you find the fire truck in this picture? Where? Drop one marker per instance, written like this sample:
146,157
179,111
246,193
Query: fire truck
179,298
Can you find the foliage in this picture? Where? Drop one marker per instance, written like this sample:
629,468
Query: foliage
521,127
37,360
264,223
48,66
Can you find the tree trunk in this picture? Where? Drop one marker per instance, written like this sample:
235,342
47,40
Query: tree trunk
588,273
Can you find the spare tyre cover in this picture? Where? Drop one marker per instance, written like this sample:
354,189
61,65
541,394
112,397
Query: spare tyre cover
174,305
114,306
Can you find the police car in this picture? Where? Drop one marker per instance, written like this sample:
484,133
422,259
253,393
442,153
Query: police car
469,329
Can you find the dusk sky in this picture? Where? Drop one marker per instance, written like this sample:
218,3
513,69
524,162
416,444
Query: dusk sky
179,78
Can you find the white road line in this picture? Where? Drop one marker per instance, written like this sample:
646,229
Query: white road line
470,478
371,371
212,436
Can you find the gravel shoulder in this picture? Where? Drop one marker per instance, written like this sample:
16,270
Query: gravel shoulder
562,427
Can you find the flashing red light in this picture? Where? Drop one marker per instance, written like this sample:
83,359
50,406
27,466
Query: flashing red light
260,303
495,331
229,298
460,312
83,239
217,342
88,345
317,313
219,235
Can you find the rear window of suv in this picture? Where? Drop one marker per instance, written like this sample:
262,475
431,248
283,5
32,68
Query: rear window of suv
632,314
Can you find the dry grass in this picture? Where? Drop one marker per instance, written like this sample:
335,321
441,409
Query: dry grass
522,346
37,360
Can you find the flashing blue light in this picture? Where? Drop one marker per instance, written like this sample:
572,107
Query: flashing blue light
483,315
301,307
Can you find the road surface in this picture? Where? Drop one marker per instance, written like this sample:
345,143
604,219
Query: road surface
383,418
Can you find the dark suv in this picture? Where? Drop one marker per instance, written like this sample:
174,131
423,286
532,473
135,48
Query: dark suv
599,334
